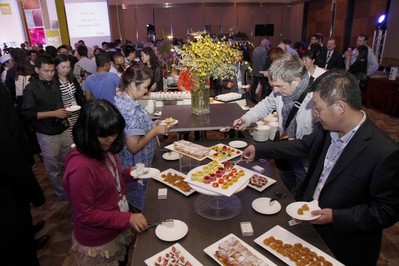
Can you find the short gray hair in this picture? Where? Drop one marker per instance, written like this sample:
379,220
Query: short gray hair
287,67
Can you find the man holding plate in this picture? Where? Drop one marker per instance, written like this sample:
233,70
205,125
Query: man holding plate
353,172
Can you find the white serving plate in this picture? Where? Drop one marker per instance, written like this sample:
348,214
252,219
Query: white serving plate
262,205
214,247
73,108
172,148
166,232
207,189
183,252
223,159
171,156
173,171
158,113
289,238
238,144
163,123
148,173
292,210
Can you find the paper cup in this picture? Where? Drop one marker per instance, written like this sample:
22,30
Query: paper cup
273,130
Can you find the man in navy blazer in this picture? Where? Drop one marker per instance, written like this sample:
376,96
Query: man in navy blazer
353,172
333,61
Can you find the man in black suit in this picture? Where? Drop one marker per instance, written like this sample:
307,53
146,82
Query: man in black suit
330,58
353,172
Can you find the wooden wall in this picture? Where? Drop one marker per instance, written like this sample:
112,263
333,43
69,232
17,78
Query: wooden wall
364,19
351,18
132,21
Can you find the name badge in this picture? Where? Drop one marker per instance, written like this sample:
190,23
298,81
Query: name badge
123,205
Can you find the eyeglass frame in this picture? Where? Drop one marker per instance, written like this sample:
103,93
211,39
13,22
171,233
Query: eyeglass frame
317,112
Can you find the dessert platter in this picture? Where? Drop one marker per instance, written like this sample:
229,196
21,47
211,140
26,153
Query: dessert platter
189,149
222,153
301,210
292,250
168,95
175,180
231,250
228,97
259,182
173,255
217,183
218,179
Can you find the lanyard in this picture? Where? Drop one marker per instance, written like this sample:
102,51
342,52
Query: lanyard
114,172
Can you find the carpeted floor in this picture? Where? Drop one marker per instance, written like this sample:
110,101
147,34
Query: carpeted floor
59,226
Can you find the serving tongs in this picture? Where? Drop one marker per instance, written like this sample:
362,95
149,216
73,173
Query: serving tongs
168,223
277,195
228,128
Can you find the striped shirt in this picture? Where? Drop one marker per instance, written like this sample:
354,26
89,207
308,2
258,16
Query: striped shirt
68,98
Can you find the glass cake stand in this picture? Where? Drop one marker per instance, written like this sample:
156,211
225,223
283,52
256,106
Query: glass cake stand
215,206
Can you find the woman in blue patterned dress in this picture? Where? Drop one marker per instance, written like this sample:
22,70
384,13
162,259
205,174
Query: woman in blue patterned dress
140,131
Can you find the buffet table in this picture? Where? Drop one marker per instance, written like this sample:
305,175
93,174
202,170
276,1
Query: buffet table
203,232
383,95
221,115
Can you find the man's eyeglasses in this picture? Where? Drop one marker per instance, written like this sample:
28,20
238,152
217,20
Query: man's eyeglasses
318,111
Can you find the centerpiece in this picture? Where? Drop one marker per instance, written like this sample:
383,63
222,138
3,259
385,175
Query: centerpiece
205,57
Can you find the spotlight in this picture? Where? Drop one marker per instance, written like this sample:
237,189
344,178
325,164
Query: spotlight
381,22
381,19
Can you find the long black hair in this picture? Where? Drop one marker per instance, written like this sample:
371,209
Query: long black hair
98,118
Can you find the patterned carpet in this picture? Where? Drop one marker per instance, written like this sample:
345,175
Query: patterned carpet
59,226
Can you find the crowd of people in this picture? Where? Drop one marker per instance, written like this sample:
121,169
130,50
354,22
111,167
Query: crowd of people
335,154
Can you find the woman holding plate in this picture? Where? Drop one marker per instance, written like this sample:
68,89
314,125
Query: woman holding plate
140,131
95,184
72,94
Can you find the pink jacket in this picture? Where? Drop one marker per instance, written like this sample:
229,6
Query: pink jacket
91,189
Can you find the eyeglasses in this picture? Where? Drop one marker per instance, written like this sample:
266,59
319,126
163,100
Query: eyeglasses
318,111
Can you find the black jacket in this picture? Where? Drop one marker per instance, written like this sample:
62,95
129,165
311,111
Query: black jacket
42,96
362,189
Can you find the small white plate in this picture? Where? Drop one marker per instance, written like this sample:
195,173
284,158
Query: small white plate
148,173
166,232
158,113
162,123
292,210
261,205
73,108
171,156
238,144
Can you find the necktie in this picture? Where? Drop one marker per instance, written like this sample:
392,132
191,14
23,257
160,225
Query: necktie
329,53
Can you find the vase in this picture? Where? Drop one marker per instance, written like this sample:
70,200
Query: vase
200,94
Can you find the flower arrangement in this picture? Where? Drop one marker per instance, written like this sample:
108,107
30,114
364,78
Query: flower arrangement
208,57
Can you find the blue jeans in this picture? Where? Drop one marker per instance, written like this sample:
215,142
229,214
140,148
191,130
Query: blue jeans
54,148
